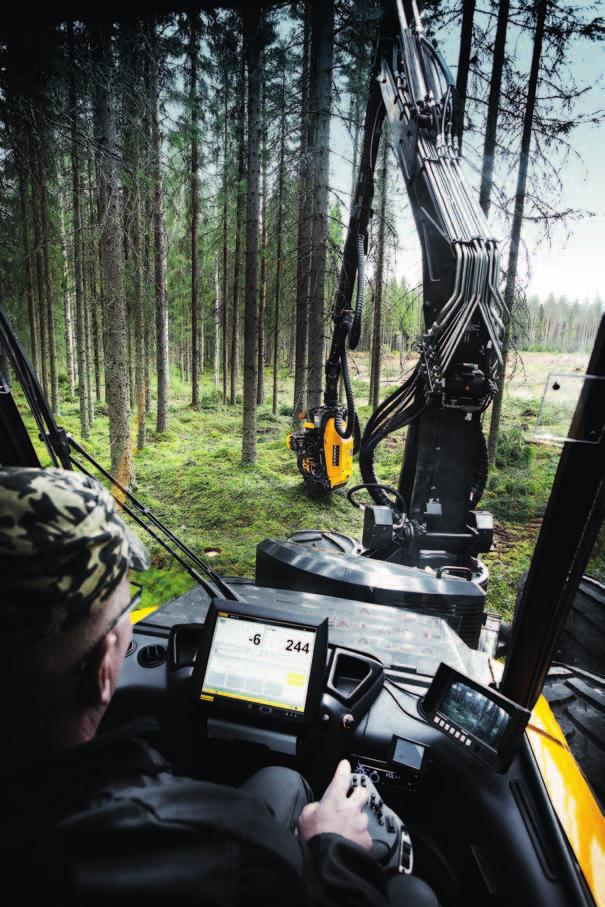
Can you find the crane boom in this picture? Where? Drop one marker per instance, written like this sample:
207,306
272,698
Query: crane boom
460,350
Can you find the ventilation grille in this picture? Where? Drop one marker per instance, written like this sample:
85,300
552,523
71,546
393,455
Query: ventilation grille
152,656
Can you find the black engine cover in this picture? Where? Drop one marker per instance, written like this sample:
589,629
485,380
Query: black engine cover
289,565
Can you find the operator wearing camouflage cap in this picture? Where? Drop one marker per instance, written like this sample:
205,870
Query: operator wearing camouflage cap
100,818
63,552
65,595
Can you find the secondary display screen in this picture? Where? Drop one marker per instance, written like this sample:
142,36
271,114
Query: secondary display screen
488,725
474,712
408,753
259,662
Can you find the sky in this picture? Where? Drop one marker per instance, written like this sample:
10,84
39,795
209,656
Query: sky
570,262
573,266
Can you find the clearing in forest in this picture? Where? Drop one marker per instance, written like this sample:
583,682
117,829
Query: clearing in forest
191,476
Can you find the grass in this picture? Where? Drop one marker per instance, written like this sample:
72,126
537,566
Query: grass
192,478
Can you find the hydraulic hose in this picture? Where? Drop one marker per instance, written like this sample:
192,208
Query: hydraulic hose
401,408
351,414
366,458
353,338
361,286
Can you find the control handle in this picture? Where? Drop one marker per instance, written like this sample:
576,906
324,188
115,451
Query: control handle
391,842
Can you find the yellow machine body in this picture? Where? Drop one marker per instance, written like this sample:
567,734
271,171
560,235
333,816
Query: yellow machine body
142,613
325,459
573,801
338,453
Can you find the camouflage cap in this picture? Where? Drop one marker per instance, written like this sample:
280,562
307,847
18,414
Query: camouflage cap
63,550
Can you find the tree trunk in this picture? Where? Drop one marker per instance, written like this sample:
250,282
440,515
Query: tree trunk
322,55
77,240
515,239
262,302
114,316
194,192
148,239
48,286
100,257
139,306
88,313
253,46
303,270
238,234
133,217
278,261
377,326
493,106
39,258
217,324
225,229
355,138
93,282
161,308
464,61
5,366
27,261
67,303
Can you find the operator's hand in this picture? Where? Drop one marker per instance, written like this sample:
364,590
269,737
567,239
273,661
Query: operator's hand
336,813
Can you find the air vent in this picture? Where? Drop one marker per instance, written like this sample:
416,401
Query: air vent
352,675
152,656
131,648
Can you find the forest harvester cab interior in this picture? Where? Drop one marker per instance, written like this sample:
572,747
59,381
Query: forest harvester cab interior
390,634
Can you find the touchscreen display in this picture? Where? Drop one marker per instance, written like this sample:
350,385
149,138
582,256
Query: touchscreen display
474,712
259,661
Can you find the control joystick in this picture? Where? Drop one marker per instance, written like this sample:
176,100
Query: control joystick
391,842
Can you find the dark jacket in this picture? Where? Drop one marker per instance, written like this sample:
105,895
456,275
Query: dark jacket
109,823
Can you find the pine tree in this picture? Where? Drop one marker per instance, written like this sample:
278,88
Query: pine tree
515,241
253,25
161,308
303,259
493,108
322,57
76,169
279,238
193,103
114,315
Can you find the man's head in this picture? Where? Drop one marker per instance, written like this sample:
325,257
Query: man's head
64,597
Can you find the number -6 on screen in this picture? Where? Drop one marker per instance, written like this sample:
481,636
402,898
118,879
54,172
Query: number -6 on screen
267,668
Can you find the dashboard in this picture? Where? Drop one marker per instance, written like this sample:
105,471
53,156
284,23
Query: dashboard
469,823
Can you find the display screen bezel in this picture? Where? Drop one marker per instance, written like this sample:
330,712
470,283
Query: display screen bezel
497,756
253,711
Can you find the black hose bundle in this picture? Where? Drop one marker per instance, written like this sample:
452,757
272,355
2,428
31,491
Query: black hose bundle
351,414
396,411
361,286
353,340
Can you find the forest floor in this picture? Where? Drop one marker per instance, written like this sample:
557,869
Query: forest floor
191,477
